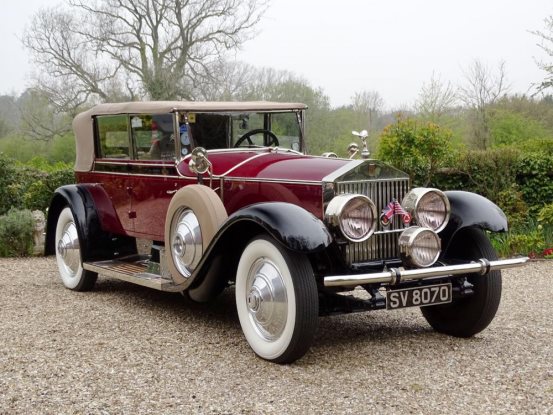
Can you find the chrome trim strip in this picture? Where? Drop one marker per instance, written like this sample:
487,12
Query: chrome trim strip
264,180
387,179
396,275
239,149
242,163
165,176
134,163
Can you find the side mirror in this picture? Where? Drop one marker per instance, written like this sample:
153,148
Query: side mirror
199,163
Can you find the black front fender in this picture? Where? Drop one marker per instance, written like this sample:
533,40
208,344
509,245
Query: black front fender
470,209
290,225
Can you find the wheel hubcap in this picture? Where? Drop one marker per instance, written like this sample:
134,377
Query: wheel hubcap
186,242
266,299
68,249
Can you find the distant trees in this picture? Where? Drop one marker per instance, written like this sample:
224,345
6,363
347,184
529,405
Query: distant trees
112,49
38,118
546,44
371,105
481,89
435,99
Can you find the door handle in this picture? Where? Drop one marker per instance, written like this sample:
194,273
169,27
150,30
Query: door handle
170,192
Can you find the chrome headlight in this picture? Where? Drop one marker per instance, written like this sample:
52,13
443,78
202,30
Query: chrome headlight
419,247
354,215
429,207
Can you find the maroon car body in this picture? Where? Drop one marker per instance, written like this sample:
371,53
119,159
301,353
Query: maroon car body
223,194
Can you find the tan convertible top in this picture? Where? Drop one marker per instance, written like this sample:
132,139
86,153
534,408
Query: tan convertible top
84,129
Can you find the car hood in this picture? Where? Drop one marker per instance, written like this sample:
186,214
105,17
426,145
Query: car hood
293,167
285,166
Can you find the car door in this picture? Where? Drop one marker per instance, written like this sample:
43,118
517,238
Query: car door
113,158
153,176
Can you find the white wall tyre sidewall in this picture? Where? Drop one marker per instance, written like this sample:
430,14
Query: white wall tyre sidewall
70,279
264,348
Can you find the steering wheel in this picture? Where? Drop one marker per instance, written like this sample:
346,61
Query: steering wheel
272,137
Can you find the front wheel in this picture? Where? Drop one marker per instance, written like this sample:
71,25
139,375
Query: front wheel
277,300
68,254
465,317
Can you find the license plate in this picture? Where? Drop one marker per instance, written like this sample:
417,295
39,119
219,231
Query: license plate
418,296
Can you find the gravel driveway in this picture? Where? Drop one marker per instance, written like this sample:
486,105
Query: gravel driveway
127,349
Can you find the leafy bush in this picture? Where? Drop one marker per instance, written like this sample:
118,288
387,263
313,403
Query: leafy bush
545,215
508,127
535,178
488,173
419,148
531,243
31,185
38,194
16,233
513,205
8,174
541,146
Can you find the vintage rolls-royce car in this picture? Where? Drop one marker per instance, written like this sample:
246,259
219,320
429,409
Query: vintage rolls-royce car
225,194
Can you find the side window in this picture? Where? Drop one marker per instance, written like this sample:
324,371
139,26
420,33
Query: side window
113,137
153,136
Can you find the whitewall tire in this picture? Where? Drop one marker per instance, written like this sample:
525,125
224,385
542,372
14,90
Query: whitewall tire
68,254
276,300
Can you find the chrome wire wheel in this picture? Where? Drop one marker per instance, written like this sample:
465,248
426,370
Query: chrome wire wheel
186,241
68,254
277,300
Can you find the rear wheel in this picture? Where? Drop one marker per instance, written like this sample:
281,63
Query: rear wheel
277,300
68,254
465,317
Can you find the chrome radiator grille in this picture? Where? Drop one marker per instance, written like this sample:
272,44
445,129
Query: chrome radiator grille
383,244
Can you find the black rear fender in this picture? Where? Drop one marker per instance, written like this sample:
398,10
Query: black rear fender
95,242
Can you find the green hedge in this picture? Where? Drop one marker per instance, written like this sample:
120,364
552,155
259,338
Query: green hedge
16,233
31,185
514,180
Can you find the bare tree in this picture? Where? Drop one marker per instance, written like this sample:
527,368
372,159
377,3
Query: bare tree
482,88
230,81
435,99
159,49
369,103
39,120
546,44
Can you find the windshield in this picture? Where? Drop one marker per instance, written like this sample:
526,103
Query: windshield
233,130
258,128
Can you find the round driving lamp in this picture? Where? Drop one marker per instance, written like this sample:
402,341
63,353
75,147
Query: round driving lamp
419,247
429,207
354,215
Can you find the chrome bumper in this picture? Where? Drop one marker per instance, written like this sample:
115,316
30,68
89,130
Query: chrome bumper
397,275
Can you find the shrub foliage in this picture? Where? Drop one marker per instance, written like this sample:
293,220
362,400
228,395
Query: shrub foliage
16,233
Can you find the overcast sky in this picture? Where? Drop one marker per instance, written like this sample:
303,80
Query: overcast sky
345,46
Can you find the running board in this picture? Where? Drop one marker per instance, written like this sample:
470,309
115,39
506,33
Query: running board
136,269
